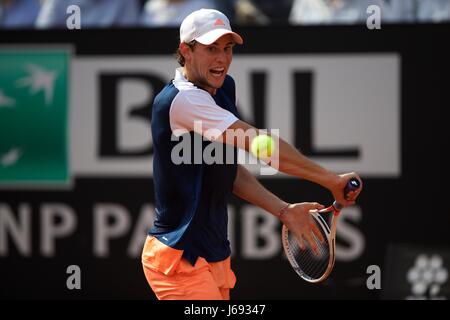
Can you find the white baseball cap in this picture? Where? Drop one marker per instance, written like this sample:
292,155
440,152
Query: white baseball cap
206,26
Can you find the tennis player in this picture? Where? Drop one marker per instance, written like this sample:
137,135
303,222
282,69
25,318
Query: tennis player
187,254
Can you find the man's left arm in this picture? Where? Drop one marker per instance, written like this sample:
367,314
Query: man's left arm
296,216
247,187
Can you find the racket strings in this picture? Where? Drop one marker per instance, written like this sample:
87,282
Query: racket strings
312,266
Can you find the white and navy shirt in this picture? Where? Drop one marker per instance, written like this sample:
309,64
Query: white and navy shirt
191,198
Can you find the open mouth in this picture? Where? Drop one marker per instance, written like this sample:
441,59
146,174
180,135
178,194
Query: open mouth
217,72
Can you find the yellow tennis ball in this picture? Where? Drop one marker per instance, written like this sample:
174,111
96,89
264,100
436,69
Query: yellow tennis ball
262,146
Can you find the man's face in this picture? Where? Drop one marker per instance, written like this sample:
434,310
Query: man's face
207,65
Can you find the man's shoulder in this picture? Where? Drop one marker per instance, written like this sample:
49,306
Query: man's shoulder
229,86
229,82
166,94
195,96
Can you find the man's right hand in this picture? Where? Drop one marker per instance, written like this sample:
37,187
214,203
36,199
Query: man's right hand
338,189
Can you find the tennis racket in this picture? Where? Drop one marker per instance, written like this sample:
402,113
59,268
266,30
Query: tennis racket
311,266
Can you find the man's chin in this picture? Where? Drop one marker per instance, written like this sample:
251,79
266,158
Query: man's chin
217,84
213,83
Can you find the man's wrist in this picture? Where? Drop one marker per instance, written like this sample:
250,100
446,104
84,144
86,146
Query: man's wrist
330,181
282,211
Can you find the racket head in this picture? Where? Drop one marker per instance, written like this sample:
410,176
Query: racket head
306,264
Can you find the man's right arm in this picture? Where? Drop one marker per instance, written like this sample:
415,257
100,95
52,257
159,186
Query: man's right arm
197,105
292,162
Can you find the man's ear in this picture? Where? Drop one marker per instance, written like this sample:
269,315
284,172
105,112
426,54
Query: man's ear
185,50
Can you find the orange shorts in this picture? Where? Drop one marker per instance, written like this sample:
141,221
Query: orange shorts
172,277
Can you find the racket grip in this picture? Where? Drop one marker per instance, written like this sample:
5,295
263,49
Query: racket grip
352,185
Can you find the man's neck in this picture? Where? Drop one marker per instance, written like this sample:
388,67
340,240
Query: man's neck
186,74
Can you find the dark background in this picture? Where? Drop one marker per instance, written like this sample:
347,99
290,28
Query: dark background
408,210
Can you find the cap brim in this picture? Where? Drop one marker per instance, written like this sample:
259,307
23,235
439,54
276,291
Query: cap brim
211,36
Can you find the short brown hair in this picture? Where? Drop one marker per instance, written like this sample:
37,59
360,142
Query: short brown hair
179,56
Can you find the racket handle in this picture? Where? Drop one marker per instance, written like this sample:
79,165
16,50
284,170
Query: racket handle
352,185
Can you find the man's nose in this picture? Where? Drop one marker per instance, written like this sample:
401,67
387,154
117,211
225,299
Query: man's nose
221,57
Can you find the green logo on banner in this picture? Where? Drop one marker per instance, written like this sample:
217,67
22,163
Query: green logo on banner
33,117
